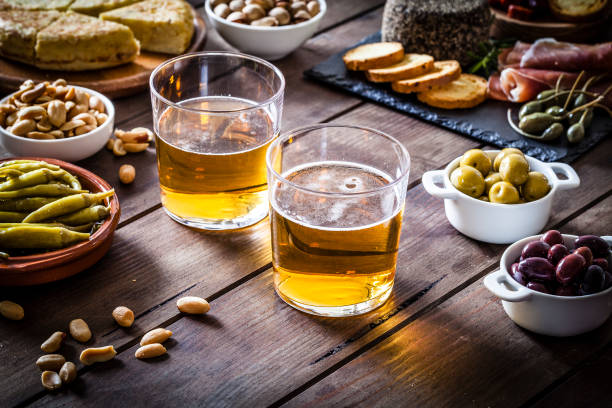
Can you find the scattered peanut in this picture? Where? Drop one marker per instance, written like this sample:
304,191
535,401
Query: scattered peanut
193,305
11,310
135,147
79,330
97,355
123,316
110,143
50,362
150,351
127,173
53,343
118,149
68,372
50,380
158,335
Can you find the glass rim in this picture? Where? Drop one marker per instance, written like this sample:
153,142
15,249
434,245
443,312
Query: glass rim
286,136
191,55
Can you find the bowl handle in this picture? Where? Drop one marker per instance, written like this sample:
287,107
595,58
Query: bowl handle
572,181
430,178
495,283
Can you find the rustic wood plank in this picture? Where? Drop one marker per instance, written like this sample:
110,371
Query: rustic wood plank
263,348
466,352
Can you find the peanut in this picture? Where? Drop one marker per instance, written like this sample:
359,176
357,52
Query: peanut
123,316
69,105
101,118
135,147
70,94
11,310
43,99
60,82
110,143
58,134
53,343
158,335
50,380
21,127
79,330
77,110
192,305
150,351
81,98
73,124
32,112
30,95
127,172
97,355
81,130
222,10
237,17
40,135
96,103
7,108
44,125
11,119
68,372
57,113
86,117
136,135
313,8
118,149
50,362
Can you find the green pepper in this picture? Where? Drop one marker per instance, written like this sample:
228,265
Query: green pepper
85,216
67,205
9,172
26,167
11,162
12,216
44,190
39,237
40,176
25,204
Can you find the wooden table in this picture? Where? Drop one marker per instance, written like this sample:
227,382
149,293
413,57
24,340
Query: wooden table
441,340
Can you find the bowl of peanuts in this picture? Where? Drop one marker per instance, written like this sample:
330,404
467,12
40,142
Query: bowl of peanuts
270,29
57,120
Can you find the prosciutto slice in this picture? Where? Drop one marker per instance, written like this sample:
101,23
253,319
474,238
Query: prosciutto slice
547,53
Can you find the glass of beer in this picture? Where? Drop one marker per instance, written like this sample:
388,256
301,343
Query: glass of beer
336,202
214,116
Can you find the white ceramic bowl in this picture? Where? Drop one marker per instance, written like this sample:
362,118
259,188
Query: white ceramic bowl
498,223
543,313
270,43
69,149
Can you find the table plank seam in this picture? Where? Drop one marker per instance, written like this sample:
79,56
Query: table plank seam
346,20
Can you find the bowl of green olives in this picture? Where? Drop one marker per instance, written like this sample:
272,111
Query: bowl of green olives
501,188
551,294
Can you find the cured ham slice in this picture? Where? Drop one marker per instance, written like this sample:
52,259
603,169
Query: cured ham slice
549,54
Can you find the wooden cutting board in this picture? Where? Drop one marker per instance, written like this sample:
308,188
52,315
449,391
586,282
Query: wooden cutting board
115,82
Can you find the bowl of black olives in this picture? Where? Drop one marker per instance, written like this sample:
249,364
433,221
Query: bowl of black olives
555,284
505,188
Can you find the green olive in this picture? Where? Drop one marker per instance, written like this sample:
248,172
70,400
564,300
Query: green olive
575,133
530,107
484,198
552,132
535,123
491,179
502,154
535,187
514,169
468,180
555,111
503,193
477,159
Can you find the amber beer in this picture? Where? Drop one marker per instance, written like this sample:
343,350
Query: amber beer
335,251
212,166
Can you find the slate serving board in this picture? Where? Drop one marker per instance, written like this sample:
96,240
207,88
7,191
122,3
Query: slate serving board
486,122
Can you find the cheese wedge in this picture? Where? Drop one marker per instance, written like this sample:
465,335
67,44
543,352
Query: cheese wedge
76,42
95,7
160,25
18,30
464,92
442,73
373,55
412,65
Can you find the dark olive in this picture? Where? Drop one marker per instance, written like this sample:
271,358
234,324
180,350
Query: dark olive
537,268
552,132
530,107
536,123
569,290
517,276
608,279
601,262
569,269
597,245
586,253
535,249
594,280
538,286
552,237
575,133
556,253
555,111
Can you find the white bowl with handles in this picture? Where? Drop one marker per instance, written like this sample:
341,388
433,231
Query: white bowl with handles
498,223
542,313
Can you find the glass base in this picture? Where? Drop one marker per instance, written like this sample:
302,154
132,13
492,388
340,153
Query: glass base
253,217
339,311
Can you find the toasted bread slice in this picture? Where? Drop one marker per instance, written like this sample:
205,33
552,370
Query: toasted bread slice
464,92
373,55
412,65
442,73
572,10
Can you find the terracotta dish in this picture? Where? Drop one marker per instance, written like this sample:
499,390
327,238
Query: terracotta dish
60,264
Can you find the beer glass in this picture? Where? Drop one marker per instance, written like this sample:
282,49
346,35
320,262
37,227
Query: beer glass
336,201
214,115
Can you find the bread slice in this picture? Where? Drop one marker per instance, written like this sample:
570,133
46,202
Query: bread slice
464,92
373,55
76,42
412,65
160,25
18,30
572,10
442,73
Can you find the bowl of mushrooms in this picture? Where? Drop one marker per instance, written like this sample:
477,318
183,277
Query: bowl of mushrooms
55,120
270,29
